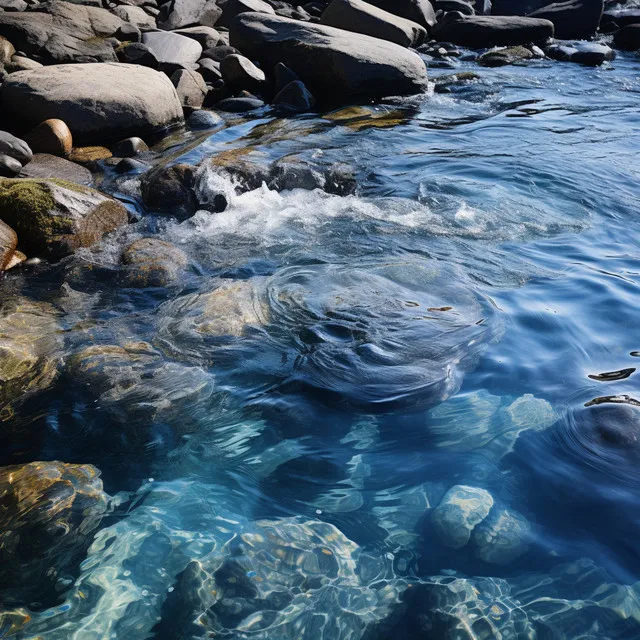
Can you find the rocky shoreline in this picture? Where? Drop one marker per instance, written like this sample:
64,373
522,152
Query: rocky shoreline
92,89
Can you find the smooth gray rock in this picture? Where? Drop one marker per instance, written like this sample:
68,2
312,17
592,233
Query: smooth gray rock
588,53
99,102
457,515
172,48
361,17
337,66
572,19
240,73
66,33
192,13
209,70
20,63
206,36
136,16
9,166
420,11
204,119
234,8
219,53
190,86
14,148
45,165
478,32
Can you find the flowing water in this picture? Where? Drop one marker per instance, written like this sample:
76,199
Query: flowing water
334,371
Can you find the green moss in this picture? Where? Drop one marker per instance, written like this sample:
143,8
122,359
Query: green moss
27,206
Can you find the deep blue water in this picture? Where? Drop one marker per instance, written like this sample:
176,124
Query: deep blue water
438,329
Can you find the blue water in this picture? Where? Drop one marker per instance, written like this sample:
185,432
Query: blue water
374,352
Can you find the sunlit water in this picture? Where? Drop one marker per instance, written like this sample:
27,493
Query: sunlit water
360,357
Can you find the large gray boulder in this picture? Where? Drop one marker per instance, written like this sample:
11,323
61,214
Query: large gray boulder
234,8
172,48
336,65
67,32
479,32
362,17
100,102
572,19
419,11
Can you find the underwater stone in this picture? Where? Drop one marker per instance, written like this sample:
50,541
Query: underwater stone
461,509
502,537
150,262
48,513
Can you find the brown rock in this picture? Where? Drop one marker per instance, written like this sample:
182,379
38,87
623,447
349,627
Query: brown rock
152,263
51,136
48,513
8,244
6,51
85,155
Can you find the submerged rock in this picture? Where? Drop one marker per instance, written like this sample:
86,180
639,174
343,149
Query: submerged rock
502,538
501,57
29,351
457,515
152,263
170,190
54,218
99,102
336,65
48,514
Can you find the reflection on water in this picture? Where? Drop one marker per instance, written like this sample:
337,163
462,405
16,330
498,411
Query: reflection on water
406,413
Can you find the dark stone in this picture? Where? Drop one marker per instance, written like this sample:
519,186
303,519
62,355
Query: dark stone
282,76
129,147
587,53
239,105
340,180
501,57
335,65
169,190
454,5
573,19
137,53
232,8
479,32
622,17
130,165
203,119
9,166
239,73
209,70
295,174
152,263
628,38
294,98
219,53
14,148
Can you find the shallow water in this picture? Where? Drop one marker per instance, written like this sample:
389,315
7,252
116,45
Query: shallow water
349,360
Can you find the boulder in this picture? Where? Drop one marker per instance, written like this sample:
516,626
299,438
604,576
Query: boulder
572,19
8,245
628,38
9,166
622,17
190,86
516,7
206,36
203,119
54,218
7,51
502,538
172,48
135,16
99,102
587,53
294,98
51,136
239,105
129,147
420,11
336,66
49,512
20,63
361,17
233,8
240,73
14,148
45,165
479,32
209,70
29,352
137,53
67,32
169,190
219,53
152,263
458,514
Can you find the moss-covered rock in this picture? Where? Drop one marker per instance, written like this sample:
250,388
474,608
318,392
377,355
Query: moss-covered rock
508,55
29,351
48,513
54,218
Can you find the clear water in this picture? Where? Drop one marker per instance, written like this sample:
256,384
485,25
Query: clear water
438,329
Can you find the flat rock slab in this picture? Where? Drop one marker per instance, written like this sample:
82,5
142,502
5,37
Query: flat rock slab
172,48
100,102
478,32
337,66
45,165
67,32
